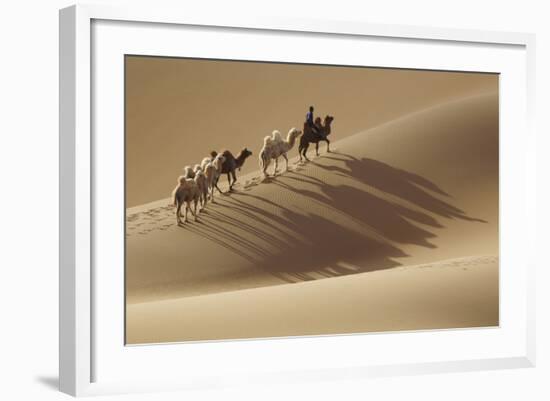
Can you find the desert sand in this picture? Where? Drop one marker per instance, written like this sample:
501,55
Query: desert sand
450,294
396,229
180,109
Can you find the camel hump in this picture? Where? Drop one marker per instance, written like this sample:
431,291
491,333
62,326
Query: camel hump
277,136
267,140
228,155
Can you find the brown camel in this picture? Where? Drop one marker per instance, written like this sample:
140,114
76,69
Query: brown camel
230,165
311,137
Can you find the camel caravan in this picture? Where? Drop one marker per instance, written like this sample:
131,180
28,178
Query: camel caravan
196,186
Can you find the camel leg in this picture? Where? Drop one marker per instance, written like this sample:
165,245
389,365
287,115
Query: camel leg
232,182
229,181
266,165
305,151
195,209
328,145
187,206
211,190
216,184
178,213
317,148
286,159
302,150
201,202
276,166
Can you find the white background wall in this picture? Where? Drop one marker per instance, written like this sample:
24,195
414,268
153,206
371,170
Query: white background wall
29,184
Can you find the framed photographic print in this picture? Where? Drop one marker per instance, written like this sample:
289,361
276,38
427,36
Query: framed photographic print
274,200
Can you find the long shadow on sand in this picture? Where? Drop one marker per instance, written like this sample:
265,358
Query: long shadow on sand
397,182
299,245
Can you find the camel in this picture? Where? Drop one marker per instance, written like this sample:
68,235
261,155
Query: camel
311,137
212,171
202,183
186,192
205,162
230,165
188,172
275,147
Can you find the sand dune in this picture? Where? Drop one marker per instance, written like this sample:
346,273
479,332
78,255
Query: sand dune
419,190
179,108
454,293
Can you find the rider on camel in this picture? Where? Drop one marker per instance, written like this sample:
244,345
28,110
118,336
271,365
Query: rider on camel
310,123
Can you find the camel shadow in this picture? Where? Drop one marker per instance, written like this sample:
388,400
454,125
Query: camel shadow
397,182
310,245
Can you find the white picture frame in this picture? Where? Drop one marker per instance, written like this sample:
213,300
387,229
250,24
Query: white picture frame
79,342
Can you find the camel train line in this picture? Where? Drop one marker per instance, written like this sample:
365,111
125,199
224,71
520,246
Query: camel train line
197,184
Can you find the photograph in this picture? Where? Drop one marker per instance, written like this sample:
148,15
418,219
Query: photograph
273,199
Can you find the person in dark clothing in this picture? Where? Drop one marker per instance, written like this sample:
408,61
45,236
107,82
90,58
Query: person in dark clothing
310,123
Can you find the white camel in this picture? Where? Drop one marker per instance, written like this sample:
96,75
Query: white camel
212,171
202,183
188,172
205,162
186,192
275,147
